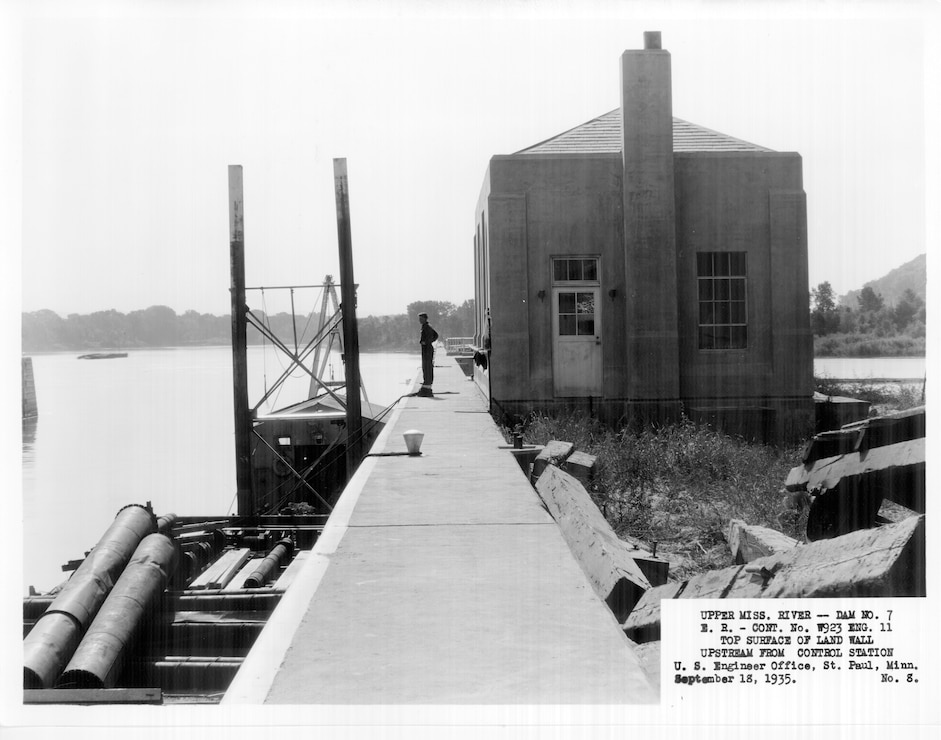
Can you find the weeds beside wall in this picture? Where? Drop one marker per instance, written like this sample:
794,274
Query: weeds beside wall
679,485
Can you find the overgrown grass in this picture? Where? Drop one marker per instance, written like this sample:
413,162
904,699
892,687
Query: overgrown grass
885,397
678,486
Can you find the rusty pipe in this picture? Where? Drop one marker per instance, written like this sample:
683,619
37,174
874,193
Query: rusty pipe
99,658
270,563
51,642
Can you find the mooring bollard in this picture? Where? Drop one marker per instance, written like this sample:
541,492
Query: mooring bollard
413,440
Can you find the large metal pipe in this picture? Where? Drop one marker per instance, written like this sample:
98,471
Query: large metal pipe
272,560
51,642
165,523
99,658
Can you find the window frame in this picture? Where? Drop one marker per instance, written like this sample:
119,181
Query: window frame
722,301
578,280
575,282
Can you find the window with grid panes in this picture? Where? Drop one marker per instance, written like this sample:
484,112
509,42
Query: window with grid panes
723,315
576,309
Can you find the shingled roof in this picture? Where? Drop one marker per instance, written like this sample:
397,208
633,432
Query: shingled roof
602,135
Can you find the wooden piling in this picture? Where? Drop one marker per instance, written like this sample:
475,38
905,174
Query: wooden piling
354,414
243,422
30,406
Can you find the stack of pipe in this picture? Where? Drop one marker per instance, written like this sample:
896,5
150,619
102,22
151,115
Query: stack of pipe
99,658
53,640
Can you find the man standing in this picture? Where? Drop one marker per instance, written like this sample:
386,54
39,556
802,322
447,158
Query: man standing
427,341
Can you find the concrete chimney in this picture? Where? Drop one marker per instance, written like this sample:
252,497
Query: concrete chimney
649,221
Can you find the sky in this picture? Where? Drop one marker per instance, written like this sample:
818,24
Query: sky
131,113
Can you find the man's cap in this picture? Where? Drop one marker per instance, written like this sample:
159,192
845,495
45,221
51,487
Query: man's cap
423,314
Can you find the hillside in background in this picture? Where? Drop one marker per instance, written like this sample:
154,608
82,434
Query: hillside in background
912,275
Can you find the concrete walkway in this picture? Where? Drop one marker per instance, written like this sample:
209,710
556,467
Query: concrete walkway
440,579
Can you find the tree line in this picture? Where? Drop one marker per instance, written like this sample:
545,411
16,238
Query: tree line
872,328
161,326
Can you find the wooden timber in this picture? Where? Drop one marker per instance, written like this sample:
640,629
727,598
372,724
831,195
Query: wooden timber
748,542
223,570
893,512
851,471
613,567
888,561
238,580
554,453
878,431
291,572
93,696
581,465
30,406
897,469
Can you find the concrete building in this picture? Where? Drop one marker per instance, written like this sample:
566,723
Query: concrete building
641,266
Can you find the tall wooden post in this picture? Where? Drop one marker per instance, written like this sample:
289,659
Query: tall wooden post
243,422
354,415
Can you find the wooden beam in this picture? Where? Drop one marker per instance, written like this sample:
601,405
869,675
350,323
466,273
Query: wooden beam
93,696
608,562
291,572
581,465
222,571
748,541
238,580
554,453
851,487
827,472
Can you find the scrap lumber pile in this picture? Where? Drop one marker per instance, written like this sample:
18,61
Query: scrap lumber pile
886,561
866,529
851,471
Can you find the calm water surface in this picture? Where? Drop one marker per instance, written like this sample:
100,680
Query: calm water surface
157,426
870,367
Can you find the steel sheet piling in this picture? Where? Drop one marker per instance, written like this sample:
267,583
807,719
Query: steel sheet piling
51,642
99,658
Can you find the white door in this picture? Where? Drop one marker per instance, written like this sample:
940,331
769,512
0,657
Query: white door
576,351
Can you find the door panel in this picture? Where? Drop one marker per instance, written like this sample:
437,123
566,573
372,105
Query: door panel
576,350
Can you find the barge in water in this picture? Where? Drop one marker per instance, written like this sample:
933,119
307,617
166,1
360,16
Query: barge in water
164,609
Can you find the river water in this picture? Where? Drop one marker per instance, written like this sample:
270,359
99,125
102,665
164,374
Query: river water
158,426
908,368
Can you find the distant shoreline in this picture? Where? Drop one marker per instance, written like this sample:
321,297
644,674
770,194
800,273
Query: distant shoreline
129,350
